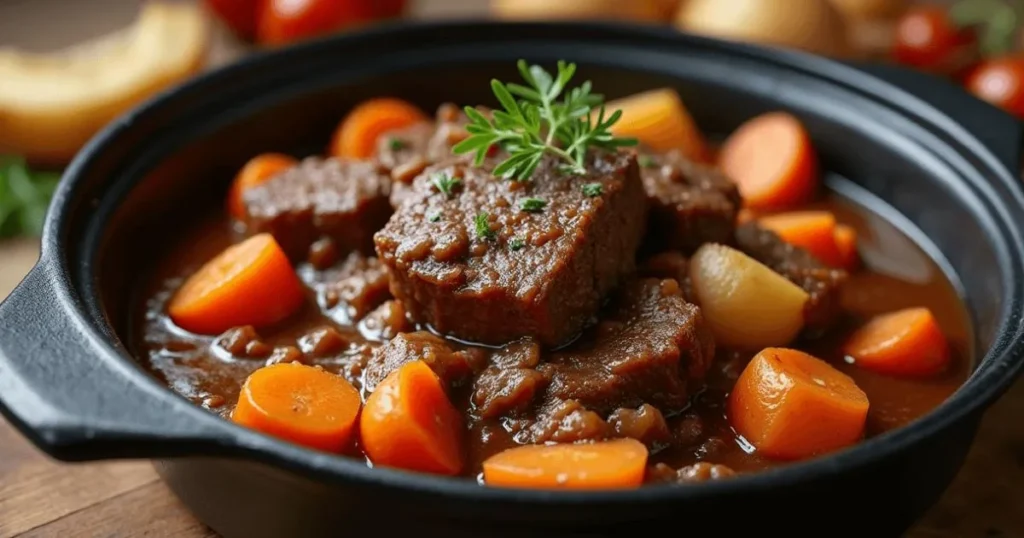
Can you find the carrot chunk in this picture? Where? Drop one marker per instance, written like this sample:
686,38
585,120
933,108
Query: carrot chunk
790,405
616,464
409,423
356,136
904,343
250,283
301,404
772,161
659,119
814,231
846,244
258,170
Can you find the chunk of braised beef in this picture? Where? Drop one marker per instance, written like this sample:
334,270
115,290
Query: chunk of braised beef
243,342
386,321
283,354
470,262
670,264
658,348
323,253
356,285
565,422
821,282
690,203
523,353
645,424
506,391
451,366
323,342
345,200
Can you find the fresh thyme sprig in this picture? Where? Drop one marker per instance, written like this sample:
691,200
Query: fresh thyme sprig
541,121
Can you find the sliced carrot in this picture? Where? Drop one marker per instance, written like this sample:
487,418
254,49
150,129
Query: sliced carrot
299,403
616,464
258,170
790,405
846,244
813,231
251,283
905,343
772,161
356,136
409,423
659,120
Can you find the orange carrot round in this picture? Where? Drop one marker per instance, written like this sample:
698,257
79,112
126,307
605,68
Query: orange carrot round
904,343
846,244
409,423
615,464
356,136
258,170
790,405
301,404
250,283
813,231
772,161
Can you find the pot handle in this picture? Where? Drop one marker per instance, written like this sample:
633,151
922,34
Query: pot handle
77,402
1000,132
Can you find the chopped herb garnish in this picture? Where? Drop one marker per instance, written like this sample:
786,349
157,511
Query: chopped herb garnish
396,144
483,226
516,244
593,189
541,121
532,205
445,184
435,217
645,161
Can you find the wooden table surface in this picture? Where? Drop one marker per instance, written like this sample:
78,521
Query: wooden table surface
40,497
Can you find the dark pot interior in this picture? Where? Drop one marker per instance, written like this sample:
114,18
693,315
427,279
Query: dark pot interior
174,158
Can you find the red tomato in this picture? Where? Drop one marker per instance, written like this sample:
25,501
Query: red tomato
927,39
1000,81
284,21
241,16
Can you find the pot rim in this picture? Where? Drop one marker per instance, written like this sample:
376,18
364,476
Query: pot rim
993,374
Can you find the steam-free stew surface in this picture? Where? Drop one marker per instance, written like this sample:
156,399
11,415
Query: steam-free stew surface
899,275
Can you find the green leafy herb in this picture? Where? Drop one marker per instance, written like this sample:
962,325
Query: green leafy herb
541,121
396,144
532,205
24,197
593,189
516,244
435,217
483,226
995,22
445,184
645,161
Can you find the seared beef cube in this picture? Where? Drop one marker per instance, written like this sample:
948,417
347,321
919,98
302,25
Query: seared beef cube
474,264
645,424
691,204
504,391
344,200
386,321
655,347
821,282
350,289
449,365
671,264
564,422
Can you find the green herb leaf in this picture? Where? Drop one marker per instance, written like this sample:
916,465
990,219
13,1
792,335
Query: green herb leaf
645,161
593,189
396,144
435,217
544,120
483,226
516,244
532,205
24,197
445,184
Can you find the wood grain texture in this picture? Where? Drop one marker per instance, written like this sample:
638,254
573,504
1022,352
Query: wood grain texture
42,498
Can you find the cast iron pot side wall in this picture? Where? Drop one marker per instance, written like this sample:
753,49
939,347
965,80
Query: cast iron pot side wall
68,382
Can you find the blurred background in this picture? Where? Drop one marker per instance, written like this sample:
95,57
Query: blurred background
69,67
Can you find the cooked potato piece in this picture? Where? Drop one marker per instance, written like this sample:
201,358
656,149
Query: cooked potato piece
748,305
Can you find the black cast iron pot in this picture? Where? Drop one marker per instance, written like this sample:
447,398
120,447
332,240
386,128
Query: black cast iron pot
941,163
